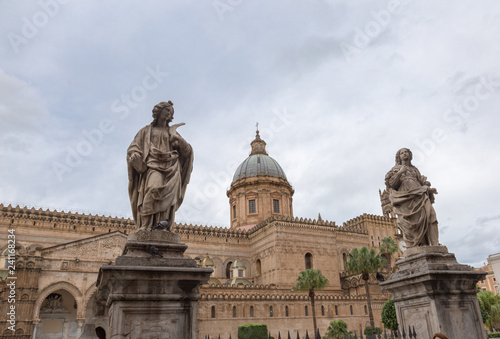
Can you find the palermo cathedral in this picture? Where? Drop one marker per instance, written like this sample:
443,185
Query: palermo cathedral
256,262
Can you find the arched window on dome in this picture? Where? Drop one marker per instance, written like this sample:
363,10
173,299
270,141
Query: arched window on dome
309,260
252,207
276,206
258,267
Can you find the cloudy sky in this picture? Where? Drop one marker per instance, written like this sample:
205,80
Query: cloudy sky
336,86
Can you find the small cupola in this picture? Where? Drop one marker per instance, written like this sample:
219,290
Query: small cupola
258,145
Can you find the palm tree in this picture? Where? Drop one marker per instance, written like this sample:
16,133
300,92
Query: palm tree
311,280
390,247
491,304
365,262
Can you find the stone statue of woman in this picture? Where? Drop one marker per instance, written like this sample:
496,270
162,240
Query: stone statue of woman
159,162
412,197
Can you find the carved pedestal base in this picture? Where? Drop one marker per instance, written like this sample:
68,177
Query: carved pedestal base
434,293
152,290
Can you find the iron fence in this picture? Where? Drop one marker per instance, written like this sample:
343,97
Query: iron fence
400,334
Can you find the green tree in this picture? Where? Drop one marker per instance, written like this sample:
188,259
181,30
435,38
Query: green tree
365,262
491,304
336,330
390,247
389,318
309,281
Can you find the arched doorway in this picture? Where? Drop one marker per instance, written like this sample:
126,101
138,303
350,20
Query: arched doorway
58,316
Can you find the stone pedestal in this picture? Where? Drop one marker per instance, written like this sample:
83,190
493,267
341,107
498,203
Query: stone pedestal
434,293
152,289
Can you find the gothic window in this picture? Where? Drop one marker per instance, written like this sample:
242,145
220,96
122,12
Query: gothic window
322,310
306,311
212,314
309,261
351,309
251,206
258,267
286,311
251,311
366,310
271,311
336,310
234,311
234,211
228,270
276,206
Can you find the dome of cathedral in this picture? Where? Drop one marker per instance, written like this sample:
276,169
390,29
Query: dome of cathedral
258,163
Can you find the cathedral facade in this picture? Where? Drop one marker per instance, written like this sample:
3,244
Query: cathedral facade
256,261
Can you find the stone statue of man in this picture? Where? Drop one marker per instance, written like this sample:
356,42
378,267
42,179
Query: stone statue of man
412,197
159,163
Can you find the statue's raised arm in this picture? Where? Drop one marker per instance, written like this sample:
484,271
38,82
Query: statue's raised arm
411,198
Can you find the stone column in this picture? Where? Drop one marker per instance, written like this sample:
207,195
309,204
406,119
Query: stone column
434,293
80,322
152,289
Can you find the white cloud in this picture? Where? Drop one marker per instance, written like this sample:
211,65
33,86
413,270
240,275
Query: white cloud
347,118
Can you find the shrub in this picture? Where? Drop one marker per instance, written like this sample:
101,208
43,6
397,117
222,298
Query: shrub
389,318
368,330
336,330
255,330
494,335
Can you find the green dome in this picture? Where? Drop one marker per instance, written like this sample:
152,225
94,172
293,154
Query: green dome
207,262
238,264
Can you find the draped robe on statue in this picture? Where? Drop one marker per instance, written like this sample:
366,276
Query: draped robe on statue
157,187
409,196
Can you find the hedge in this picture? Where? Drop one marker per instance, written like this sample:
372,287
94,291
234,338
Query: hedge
255,330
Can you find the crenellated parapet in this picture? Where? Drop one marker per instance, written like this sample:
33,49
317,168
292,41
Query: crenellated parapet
258,293
361,222
209,231
65,221
294,220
